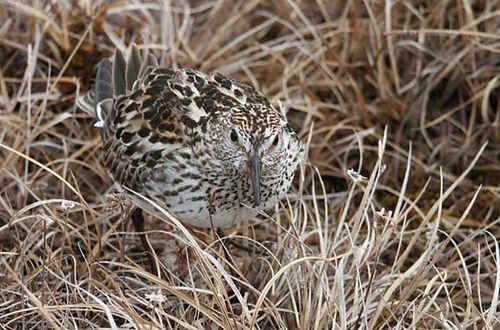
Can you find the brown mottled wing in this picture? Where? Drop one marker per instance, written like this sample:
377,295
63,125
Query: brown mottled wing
138,118
143,127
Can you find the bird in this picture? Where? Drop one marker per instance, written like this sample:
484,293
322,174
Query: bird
213,150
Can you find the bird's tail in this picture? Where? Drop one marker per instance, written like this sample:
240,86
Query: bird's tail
115,77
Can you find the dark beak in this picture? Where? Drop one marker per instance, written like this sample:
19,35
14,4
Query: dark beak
255,177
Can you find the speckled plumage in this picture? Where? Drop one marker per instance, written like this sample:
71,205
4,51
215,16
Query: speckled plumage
185,138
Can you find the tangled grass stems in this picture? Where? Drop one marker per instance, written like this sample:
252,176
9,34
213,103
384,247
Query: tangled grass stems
404,95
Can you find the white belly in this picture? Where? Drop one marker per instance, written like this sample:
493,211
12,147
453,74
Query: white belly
198,213
220,219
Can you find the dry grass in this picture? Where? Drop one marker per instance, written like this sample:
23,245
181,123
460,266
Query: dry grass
407,96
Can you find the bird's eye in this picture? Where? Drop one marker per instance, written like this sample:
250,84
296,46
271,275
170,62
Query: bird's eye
276,140
234,135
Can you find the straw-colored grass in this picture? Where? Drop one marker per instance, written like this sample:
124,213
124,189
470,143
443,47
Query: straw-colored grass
394,218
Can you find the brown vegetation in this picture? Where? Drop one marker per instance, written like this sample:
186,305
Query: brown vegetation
406,95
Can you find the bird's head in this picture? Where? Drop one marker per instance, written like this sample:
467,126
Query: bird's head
255,141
